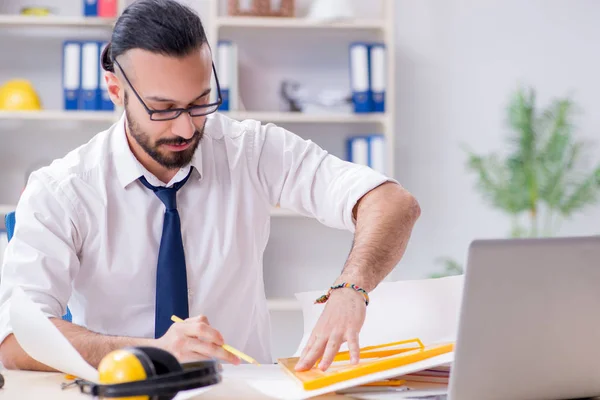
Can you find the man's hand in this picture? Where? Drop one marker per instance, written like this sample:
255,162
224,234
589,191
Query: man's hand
194,339
340,322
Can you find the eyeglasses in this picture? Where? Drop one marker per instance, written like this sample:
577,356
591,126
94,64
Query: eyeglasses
172,113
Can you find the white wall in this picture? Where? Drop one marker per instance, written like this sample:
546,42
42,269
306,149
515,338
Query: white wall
458,61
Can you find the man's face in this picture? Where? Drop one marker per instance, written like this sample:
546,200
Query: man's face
165,82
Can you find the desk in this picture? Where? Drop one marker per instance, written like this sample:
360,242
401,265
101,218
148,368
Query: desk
29,385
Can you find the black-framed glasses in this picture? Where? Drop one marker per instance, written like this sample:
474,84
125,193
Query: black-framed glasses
172,113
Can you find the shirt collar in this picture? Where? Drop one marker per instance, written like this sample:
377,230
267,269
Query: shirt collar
129,169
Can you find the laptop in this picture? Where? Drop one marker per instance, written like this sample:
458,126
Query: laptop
529,325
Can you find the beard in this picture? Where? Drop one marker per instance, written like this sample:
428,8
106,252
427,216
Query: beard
167,159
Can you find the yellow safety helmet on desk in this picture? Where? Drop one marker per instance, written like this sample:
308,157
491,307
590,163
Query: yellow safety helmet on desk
19,95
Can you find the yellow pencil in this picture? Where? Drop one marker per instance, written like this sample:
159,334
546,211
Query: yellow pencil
230,349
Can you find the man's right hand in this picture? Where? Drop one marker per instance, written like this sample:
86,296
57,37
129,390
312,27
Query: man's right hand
194,339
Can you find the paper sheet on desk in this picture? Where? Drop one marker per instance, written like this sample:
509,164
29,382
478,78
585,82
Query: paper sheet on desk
427,309
272,381
42,340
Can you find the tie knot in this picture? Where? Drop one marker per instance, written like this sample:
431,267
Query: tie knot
167,195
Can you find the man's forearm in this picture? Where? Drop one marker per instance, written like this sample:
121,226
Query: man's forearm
384,221
92,347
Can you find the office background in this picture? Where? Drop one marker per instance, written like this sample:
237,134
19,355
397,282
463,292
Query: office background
457,64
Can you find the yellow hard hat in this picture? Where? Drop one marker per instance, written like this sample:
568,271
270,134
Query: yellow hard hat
19,95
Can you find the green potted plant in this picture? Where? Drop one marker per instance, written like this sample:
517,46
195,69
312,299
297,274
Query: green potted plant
543,179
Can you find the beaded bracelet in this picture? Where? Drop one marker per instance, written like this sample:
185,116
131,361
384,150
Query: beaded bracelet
325,297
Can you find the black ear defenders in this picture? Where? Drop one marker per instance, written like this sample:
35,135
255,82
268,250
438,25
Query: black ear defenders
149,373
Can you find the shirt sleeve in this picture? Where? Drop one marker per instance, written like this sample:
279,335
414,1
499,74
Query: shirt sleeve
298,175
41,257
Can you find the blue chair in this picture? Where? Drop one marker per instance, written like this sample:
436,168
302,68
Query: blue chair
9,221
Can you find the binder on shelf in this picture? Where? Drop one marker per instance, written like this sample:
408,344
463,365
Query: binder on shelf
359,77
107,8
227,71
377,71
373,360
103,102
71,66
90,8
358,150
368,150
90,90
376,150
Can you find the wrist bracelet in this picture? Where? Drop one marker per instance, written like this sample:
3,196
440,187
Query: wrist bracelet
325,297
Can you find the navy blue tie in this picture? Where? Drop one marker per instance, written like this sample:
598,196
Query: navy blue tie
171,277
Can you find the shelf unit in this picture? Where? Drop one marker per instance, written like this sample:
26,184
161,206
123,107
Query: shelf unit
59,115
295,23
274,117
55,21
383,27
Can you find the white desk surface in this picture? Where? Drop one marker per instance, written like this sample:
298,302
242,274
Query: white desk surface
29,385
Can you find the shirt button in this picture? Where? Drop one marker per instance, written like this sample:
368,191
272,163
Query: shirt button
190,292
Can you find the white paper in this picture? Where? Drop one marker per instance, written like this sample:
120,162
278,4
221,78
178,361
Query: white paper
273,381
427,309
192,393
42,340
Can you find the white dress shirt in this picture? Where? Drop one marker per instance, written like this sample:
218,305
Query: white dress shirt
88,231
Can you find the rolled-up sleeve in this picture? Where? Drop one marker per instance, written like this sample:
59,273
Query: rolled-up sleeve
41,258
298,175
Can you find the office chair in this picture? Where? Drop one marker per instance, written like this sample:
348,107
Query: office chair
10,221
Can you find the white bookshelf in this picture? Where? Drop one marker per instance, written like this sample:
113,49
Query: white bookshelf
274,117
309,118
59,115
296,23
5,209
384,30
275,212
55,21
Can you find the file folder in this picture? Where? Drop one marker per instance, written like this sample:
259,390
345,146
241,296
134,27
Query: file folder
90,8
71,67
107,8
359,77
227,70
377,153
377,54
104,102
358,150
90,61
373,359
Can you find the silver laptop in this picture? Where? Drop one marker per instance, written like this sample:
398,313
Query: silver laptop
530,321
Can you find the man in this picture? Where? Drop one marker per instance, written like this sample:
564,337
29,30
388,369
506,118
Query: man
167,213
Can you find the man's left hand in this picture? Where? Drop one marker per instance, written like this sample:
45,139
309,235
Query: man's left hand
340,322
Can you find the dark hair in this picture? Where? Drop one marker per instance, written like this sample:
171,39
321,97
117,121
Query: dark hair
160,26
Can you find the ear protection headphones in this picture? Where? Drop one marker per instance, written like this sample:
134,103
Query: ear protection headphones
149,373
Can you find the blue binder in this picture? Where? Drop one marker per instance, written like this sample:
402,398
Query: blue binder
359,77
224,71
90,90
377,71
358,150
104,102
71,76
376,150
90,8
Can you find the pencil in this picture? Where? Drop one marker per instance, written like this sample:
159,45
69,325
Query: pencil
230,349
